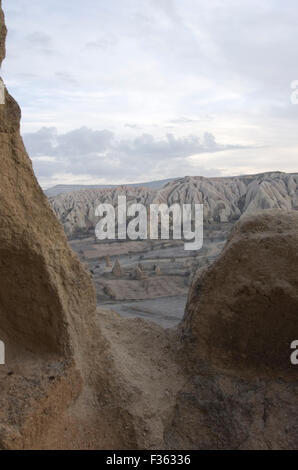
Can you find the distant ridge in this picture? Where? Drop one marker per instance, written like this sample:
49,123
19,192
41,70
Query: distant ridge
225,199
69,188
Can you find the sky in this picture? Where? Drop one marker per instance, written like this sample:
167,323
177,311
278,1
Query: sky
124,91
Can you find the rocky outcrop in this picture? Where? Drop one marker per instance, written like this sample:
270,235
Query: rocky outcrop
47,299
117,269
3,32
70,188
227,199
139,274
240,321
46,296
76,211
243,310
224,199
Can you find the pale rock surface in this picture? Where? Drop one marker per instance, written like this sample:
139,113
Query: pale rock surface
224,199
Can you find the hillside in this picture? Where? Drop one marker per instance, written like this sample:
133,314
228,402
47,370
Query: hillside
70,188
224,199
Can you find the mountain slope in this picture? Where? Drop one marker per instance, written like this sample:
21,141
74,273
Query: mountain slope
224,199
69,188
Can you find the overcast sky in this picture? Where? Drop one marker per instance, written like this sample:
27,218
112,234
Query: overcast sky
122,91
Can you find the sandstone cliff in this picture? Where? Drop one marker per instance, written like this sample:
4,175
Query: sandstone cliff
243,310
76,211
47,299
240,321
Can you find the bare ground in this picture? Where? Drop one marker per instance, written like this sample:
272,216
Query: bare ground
145,364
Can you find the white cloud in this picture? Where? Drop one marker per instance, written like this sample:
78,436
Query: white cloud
101,154
142,67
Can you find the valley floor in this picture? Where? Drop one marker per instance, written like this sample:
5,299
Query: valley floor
155,275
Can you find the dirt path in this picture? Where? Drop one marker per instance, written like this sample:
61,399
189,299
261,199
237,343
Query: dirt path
134,396
143,353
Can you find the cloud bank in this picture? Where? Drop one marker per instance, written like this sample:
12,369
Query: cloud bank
157,74
102,155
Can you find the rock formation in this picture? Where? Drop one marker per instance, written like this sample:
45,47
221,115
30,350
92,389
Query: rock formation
225,199
139,274
240,321
252,293
70,188
76,211
47,299
157,270
117,269
49,289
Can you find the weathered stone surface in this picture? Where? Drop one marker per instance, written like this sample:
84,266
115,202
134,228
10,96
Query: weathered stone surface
117,269
3,32
224,199
241,317
47,299
222,412
46,295
243,312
